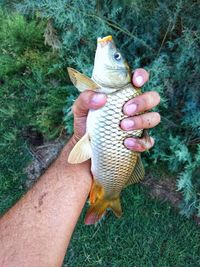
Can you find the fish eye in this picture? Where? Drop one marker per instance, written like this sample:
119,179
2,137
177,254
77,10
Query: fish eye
117,56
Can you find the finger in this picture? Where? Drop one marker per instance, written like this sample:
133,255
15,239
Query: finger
88,100
144,121
139,144
141,103
140,77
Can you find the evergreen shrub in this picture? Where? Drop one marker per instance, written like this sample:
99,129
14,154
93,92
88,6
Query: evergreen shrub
32,95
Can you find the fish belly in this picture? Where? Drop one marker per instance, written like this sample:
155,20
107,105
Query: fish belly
112,162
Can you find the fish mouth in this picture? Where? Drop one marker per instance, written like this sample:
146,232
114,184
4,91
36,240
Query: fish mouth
126,68
105,40
116,69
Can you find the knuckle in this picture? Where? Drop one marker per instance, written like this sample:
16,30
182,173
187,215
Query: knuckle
74,108
87,95
82,103
139,145
150,100
83,97
141,102
140,122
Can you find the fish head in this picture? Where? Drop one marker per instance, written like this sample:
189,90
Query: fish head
110,67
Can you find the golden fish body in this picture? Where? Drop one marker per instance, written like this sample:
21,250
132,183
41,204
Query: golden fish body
112,162
113,166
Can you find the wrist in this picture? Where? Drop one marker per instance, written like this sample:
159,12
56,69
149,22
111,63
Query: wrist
73,140
82,168
68,147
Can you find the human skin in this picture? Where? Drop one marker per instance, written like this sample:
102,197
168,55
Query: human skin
37,229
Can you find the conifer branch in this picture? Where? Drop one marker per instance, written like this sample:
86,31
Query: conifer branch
115,26
164,38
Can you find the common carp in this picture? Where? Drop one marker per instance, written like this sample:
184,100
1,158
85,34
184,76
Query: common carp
113,166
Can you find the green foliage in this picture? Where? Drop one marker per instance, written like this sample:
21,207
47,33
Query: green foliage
162,37
32,94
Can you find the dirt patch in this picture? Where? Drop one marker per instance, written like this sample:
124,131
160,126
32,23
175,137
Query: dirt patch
43,156
164,189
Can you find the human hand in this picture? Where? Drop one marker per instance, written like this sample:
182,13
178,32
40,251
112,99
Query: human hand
146,101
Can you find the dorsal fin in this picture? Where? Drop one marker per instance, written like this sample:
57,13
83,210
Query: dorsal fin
81,81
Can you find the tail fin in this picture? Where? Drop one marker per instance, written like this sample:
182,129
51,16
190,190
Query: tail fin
97,210
115,205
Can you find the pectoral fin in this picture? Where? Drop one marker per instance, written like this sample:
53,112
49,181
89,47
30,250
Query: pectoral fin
82,151
138,172
81,81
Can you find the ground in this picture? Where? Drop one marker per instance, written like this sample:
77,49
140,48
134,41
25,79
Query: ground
151,231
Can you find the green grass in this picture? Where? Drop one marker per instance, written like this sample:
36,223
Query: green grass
150,233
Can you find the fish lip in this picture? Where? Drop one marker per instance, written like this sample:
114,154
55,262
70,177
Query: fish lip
105,39
120,69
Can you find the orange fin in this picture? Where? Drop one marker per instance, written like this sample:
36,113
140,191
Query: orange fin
95,212
115,205
98,209
96,192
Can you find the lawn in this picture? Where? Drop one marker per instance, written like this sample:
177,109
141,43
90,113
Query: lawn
150,233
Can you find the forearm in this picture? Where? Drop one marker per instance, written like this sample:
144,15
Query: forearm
37,230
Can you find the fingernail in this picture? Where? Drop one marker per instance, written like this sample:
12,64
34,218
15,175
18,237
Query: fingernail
130,109
97,98
128,124
139,80
129,143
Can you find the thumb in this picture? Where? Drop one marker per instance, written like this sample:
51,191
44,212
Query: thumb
88,100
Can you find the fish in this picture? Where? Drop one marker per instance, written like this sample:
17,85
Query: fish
113,166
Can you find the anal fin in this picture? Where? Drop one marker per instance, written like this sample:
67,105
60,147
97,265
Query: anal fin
96,192
138,172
